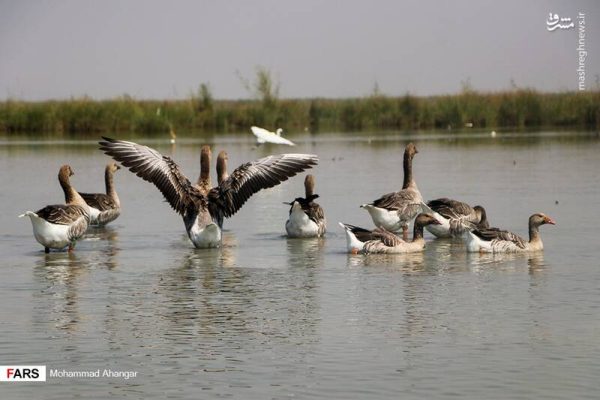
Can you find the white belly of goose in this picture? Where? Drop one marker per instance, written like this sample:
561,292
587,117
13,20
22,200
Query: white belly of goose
49,235
94,213
299,225
208,236
476,245
390,220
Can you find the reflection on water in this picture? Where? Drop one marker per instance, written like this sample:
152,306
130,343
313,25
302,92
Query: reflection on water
270,317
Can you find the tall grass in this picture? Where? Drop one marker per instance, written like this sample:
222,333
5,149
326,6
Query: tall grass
517,108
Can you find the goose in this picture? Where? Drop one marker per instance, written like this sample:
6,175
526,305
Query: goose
394,211
203,183
306,218
203,214
265,136
222,174
60,225
104,208
382,241
455,217
494,240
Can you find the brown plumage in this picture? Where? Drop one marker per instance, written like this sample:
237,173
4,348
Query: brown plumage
197,209
494,240
56,226
203,183
104,208
380,240
456,217
394,211
306,217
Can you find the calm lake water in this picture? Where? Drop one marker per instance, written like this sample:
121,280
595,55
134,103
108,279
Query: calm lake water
267,317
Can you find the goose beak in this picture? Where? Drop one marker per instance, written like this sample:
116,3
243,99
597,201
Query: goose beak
287,203
550,221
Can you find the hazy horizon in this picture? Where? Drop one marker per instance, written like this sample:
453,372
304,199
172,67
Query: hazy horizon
329,49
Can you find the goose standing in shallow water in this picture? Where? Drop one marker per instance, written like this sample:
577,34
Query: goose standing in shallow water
494,240
394,211
382,241
104,208
306,218
61,225
455,217
203,214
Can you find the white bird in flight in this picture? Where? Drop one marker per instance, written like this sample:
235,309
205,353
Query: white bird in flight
265,136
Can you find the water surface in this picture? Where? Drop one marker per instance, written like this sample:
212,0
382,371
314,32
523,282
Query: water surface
271,317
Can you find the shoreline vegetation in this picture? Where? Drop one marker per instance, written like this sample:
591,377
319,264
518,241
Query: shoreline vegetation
518,108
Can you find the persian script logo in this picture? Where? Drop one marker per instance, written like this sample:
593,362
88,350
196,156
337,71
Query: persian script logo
555,22
22,373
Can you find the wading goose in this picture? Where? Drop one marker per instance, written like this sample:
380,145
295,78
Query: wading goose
61,225
104,208
307,218
494,240
394,211
455,217
203,214
265,136
382,241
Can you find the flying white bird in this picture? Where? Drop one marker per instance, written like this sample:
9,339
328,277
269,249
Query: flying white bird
265,136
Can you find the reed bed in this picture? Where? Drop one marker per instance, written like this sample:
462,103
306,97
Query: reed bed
518,109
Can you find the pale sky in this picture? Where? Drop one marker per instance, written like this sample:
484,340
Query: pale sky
150,49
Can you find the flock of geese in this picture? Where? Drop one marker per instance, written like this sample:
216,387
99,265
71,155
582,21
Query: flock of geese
204,207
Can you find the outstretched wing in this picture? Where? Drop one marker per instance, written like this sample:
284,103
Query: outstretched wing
152,166
492,234
227,198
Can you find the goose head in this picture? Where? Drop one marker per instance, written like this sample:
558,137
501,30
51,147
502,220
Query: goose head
279,131
481,216
424,219
112,167
410,150
540,219
65,172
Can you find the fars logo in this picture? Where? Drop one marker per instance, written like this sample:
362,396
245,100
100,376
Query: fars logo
22,373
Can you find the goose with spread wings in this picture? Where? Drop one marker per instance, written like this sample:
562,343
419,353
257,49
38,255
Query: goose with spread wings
203,213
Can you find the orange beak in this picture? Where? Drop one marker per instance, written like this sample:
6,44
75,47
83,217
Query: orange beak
550,221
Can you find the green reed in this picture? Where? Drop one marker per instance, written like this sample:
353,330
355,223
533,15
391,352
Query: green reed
517,108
